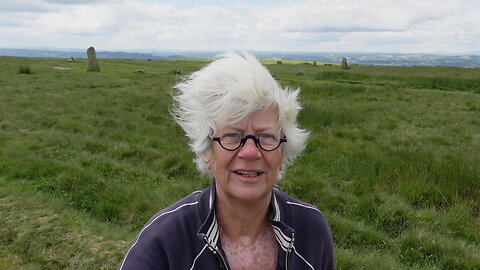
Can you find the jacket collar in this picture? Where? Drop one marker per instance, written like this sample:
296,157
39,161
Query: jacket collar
209,231
279,217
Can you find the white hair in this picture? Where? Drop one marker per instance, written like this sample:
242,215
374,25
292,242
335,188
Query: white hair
233,87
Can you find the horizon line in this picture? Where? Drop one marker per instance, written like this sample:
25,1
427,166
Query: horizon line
156,50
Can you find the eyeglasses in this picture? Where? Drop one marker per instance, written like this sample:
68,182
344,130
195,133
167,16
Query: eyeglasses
233,141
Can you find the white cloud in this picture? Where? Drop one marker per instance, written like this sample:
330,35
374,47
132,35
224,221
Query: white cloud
67,2
23,6
342,25
348,16
374,25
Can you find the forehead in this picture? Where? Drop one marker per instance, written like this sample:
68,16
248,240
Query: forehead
262,119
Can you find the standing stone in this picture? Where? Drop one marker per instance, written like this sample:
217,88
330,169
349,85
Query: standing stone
92,60
344,63
314,63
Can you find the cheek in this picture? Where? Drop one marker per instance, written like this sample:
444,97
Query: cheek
213,165
216,159
277,161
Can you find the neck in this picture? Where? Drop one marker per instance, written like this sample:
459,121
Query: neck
239,219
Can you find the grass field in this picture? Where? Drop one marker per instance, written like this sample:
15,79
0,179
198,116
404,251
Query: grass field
87,158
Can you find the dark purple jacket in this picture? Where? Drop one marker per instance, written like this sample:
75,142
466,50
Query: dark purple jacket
185,236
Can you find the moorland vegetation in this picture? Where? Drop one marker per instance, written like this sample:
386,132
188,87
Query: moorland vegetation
87,158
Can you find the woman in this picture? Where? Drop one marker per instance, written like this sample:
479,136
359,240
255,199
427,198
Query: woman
242,126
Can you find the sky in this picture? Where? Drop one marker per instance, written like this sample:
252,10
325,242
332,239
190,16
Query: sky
376,26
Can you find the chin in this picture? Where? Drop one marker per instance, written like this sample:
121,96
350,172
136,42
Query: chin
252,193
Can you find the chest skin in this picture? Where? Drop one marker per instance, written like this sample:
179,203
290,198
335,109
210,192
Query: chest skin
246,253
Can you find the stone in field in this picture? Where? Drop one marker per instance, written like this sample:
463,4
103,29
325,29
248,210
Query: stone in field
344,63
92,60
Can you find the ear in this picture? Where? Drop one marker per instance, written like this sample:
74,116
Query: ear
207,159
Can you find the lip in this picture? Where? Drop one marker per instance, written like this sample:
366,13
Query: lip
248,179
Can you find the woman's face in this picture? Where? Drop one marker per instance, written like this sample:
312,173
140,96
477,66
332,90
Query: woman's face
248,173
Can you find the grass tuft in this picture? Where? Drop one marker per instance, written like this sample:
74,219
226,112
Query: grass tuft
24,70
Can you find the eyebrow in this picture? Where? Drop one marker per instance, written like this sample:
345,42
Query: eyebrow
272,129
236,127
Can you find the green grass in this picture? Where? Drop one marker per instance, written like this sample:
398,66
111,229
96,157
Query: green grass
40,231
87,158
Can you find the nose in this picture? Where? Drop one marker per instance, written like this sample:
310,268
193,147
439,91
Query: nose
249,150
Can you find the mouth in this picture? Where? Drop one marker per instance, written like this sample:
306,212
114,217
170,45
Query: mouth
248,173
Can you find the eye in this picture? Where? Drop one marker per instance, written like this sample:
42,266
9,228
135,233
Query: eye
232,135
231,139
266,136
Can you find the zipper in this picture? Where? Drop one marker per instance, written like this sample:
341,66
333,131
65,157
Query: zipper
216,251
289,249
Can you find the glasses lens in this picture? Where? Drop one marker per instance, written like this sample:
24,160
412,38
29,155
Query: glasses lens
269,141
231,140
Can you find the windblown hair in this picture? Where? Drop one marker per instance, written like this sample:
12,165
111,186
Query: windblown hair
233,87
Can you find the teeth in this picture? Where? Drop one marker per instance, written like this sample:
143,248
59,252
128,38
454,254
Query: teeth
245,173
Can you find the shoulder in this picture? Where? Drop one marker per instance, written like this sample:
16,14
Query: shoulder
177,208
153,245
299,208
302,215
184,210
174,221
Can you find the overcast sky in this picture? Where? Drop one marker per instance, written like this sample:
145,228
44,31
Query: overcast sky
406,26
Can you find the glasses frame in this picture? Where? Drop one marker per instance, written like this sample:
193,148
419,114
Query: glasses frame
243,141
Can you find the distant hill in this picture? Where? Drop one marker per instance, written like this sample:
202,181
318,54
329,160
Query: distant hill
76,54
379,59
